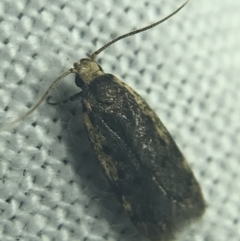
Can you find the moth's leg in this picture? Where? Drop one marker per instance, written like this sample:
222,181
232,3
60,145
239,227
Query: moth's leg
71,98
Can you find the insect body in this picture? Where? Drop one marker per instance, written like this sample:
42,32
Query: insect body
147,171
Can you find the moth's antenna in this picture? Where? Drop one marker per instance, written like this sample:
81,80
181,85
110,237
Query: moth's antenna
94,55
11,124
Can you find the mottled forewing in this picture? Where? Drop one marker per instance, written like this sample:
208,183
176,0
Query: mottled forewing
141,160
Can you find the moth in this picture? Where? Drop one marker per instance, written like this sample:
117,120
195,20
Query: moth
142,163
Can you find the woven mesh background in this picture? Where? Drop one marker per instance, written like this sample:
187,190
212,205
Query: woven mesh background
51,187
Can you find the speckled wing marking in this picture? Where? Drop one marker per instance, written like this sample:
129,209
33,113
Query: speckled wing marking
141,160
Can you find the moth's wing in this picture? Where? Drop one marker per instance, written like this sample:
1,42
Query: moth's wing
141,160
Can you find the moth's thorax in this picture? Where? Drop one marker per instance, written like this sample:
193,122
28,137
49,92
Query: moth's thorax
88,70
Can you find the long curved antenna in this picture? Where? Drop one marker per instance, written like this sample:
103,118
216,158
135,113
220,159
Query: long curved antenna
11,124
94,55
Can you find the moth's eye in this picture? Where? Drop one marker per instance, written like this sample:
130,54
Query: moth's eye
78,81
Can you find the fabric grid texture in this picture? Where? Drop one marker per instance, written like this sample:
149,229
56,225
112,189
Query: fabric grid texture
187,69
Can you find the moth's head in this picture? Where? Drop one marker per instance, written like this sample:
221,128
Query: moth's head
87,70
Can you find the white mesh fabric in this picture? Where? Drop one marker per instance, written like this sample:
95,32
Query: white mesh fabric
51,188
